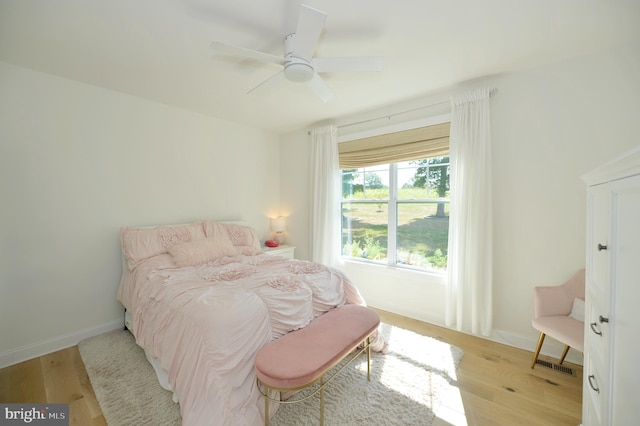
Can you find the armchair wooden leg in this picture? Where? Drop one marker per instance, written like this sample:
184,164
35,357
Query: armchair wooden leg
564,353
535,355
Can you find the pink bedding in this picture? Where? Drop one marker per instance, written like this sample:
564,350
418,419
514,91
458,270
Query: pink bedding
206,322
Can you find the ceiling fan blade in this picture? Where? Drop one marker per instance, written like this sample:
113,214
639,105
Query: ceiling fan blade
272,82
320,88
247,53
310,24
348,64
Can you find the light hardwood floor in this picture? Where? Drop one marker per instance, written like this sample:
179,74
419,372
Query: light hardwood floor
495,383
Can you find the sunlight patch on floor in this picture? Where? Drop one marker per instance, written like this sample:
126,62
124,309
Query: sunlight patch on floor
423,371
450,411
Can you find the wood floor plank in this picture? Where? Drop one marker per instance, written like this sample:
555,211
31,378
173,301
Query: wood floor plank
89,396
479,412
22,383
79,413
63,384
60,379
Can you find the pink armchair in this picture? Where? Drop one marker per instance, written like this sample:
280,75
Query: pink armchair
553,307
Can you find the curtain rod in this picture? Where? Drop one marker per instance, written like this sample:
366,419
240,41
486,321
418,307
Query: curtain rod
389,116
492,91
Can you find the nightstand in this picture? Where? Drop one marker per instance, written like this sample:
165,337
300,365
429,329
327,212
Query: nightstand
283,250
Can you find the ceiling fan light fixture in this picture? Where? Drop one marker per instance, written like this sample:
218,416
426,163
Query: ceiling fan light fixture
298,62
298,72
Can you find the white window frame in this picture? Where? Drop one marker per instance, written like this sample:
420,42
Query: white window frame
392,222
391,230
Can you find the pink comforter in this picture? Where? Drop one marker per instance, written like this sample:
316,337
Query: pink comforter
205,324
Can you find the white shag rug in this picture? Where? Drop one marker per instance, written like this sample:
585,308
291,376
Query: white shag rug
407,384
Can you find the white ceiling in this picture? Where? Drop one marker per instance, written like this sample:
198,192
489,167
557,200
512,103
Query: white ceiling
159,49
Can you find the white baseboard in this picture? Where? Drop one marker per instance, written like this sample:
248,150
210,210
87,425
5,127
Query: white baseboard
551,347
54,344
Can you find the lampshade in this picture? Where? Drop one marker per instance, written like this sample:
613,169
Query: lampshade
278,224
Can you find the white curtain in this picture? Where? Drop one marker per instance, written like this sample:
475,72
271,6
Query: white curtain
469,286
325,190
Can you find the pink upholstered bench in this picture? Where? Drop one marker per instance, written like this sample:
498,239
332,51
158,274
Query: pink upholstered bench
302,357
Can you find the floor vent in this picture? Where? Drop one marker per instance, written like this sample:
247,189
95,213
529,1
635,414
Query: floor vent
556,367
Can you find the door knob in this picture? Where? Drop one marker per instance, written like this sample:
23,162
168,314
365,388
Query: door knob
601,247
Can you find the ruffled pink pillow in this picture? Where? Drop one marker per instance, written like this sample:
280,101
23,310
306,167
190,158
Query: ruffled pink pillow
201,251
249,250
244,238
139,244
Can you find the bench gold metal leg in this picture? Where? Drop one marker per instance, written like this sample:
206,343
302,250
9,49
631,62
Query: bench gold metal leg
266,405
369,359
322,400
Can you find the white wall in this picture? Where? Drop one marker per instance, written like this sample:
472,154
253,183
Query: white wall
549,126
77,162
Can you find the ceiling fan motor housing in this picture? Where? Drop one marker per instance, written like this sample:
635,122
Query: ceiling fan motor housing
297,70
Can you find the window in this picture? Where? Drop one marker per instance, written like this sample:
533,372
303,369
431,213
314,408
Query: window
397,213
395,197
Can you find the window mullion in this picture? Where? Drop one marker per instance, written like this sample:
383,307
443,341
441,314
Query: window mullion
392,214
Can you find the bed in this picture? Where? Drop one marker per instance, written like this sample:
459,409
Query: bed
202,298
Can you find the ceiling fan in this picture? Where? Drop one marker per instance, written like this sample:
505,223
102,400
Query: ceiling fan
299,65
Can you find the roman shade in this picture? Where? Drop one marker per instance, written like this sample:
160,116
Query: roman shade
413,144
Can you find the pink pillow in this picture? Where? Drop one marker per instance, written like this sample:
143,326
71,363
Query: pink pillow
139,244
215,230
241,236
249,250
201,251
